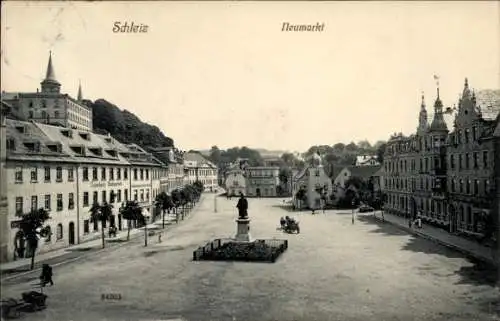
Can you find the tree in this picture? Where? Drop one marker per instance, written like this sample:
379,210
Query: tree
164,202
215,155
352,147
131,212
365,144
338,148
32,228
101,213
380,153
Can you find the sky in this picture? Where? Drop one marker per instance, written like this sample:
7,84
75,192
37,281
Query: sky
225,74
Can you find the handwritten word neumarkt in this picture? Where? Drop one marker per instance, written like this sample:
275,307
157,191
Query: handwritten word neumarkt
125,27
318,27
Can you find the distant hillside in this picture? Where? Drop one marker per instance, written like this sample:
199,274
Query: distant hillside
125,126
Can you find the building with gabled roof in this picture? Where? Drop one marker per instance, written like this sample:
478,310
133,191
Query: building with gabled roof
199,168
314,183
67,170
445,172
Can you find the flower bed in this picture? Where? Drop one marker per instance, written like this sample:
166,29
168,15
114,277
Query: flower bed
229,250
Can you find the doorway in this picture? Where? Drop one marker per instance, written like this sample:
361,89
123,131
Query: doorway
71,234
257,191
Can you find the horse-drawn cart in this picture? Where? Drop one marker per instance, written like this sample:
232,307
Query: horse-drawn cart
31,301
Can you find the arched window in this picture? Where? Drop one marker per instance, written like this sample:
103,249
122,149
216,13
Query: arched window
59,232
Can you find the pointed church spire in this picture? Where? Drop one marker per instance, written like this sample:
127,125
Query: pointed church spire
466,92
80,96
422,105
438,123
51,75
422,117
50,83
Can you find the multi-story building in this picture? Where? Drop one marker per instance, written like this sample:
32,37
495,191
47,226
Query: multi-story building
364,172
445,176
470,159
66,171
4,217
315,182
176,175
201,169
50,106
236,182
262,181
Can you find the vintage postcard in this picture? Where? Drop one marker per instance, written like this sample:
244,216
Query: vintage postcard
250,160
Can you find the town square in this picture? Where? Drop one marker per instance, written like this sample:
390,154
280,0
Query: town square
180,161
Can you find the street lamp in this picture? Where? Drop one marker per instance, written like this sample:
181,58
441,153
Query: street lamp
215,203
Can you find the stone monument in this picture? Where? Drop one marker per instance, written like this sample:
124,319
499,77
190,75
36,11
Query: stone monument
243,222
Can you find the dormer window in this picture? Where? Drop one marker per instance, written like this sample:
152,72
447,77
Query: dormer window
85,136
96,151
108,140
77,150
67,133
56,148
32,146
111,152
21,129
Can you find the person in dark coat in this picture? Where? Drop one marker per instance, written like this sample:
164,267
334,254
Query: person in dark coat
242,206
46,276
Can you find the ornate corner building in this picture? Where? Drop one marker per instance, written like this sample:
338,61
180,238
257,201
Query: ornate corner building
444,173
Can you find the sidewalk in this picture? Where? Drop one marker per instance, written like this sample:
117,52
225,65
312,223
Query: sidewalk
469,248
12,269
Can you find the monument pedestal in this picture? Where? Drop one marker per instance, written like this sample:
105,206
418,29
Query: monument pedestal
243,230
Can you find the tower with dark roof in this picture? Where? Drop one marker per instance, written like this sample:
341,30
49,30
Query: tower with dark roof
438,124
80,95
50,83
423,124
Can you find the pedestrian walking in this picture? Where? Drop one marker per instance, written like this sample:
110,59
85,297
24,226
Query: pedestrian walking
159,237
46,276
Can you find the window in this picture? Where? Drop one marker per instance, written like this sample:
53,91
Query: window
103,173
486,187
59,235
47,173
19,175
452,161
135,174
19,205
71,201
461,186
474,133
59,202
147,195
95,199
125,173
118,173
34,202
135,195
34,174
119,196
94,174
103,196
71,174
86,227
485,159
59,174
466,134
85,173
85,199
111,174
467,159
30,114
453,183
460,162
125,195
147,173
142,174
112,197
47,202
467,187
476,187
142,195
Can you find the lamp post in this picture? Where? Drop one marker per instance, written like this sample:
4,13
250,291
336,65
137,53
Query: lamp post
146,230
215,203
353,207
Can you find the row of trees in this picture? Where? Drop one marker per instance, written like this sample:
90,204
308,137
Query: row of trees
32,225
220,157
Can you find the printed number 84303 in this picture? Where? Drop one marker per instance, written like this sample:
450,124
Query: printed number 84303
111,296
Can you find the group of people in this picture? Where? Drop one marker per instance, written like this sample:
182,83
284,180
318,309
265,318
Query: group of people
287,221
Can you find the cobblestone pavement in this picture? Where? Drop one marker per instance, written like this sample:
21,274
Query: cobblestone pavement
333,270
